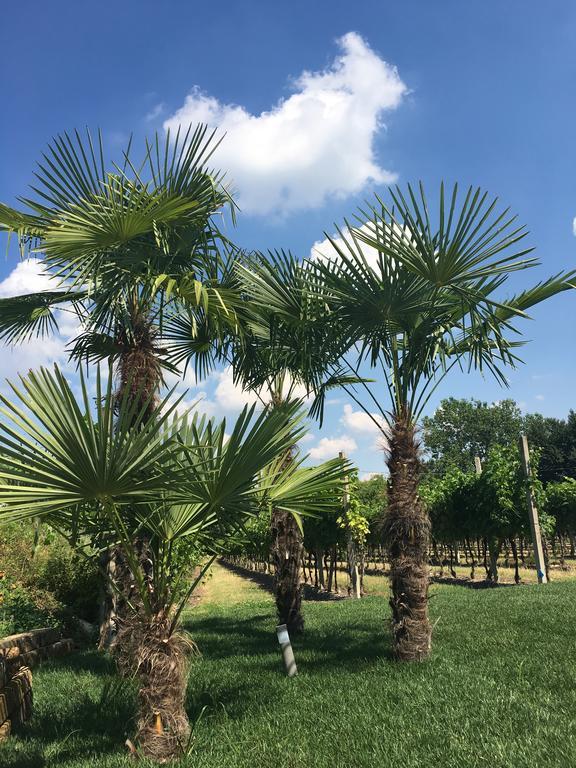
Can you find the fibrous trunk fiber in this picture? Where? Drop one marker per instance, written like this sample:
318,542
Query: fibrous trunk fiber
287,550
158,658
407,532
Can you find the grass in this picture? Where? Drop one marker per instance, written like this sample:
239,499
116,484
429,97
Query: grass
498,691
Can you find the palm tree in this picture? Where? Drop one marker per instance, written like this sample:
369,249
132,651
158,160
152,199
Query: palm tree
429,300
127,247
414,301
107,474
282,356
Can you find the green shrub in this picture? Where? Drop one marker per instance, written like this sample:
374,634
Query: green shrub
23,608
72,580
42,582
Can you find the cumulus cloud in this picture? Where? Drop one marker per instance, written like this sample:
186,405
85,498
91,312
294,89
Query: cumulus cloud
229,395
317,143
360,421
329,447
327,249
28,277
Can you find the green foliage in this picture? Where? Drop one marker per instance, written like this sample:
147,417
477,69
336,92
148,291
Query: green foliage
556,439
492,505
459,430
429,299
43,582
73,580
561,504
372,497
126,244
25,607
352,520
104,476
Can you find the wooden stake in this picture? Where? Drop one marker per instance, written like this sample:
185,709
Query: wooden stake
533,513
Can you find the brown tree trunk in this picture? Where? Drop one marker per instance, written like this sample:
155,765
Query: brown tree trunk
494,552
287,549
139,377
407,532
515,555
159,661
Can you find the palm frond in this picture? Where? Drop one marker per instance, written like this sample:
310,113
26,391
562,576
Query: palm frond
33,315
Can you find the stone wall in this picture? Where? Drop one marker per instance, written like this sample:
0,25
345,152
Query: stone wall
18,654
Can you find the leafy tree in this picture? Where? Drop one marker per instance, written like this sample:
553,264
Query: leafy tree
459,430
108,474
282,356
561,504
556,439
491,506
128,248
372,497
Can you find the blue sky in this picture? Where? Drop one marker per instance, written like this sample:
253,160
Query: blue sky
323,103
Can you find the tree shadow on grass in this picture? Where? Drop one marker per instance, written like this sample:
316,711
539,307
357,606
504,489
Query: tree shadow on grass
79,722
96,725
468,583
348,647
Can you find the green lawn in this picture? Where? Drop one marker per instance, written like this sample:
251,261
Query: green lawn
499,691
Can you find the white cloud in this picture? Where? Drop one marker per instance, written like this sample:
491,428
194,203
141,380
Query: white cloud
156,111
26,277
360,421
325,250
329,447
369,475
314,144
231,396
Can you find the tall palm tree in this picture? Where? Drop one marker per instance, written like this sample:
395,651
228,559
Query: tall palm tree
104,480
414,300
127,245
429,300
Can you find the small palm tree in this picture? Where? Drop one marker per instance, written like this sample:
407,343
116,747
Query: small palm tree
108,474
415,300
282,356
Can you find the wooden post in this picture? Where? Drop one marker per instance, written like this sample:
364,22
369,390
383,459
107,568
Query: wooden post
351,545
533,513
478,465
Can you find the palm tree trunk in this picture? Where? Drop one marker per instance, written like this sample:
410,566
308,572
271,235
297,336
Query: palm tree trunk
159,659
287,550
407,532
139,377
